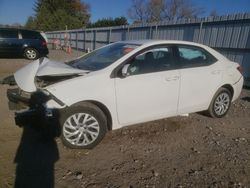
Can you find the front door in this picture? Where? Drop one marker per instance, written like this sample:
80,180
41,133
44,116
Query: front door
9,42
151,90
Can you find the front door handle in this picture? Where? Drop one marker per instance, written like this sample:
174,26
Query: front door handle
215,72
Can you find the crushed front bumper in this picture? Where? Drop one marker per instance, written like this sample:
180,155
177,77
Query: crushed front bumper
17,99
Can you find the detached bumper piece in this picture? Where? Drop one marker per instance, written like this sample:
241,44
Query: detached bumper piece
9,80
17,95
18,99
37,113
16,106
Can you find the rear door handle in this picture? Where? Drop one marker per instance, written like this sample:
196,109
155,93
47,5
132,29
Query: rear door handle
173,78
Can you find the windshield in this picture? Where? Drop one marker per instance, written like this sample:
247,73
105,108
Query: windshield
103,57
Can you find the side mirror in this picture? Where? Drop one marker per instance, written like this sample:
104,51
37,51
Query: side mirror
125,72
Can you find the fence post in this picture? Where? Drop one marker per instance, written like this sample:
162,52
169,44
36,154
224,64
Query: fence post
109,36
70,38
84,40
150,33
128,33
156,32
199,38
77,41
94,39
61,38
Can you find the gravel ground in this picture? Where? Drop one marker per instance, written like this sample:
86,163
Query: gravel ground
193,151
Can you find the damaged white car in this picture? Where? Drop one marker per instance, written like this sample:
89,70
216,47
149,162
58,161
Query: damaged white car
125,83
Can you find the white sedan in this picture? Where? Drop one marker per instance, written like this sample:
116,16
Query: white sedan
131,82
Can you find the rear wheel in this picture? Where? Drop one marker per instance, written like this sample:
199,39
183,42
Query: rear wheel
31,53
220,103
83,126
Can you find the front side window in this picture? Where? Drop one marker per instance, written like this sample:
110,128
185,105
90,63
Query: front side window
103,57
190,56
11,34
153,60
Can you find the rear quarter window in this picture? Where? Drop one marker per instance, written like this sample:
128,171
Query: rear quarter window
191,56
31,35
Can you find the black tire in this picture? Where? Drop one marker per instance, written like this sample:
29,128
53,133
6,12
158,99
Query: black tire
91,110
31,53
212,108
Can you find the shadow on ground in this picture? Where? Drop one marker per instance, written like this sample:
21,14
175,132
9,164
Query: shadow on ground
246,99
35,159
11,57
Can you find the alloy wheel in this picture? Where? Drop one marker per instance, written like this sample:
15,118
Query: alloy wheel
81,129
222,103
31,54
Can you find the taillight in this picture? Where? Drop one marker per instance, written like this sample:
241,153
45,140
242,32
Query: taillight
44,43
239,68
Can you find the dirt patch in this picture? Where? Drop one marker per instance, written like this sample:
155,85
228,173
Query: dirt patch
194,151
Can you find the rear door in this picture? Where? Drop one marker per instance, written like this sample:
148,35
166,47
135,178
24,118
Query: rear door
9,42
32,39
200,78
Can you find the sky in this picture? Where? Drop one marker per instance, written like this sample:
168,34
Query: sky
17,11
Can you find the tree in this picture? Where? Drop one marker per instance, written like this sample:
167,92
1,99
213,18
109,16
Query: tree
30,23
177,9
56,14
108,22
138,11
120,21
157,10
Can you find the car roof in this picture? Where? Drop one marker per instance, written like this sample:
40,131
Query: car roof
155,42
152,42
20,29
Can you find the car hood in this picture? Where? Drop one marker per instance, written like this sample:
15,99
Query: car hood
25,77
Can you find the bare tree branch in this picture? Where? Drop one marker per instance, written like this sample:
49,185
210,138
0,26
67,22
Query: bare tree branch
157,10
138,11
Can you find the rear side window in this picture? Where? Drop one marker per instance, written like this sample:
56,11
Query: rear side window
9,34
190,56
31,35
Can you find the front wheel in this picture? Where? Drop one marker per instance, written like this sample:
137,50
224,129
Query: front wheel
220,103
83,126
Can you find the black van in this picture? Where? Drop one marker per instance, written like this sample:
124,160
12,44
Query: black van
21,42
